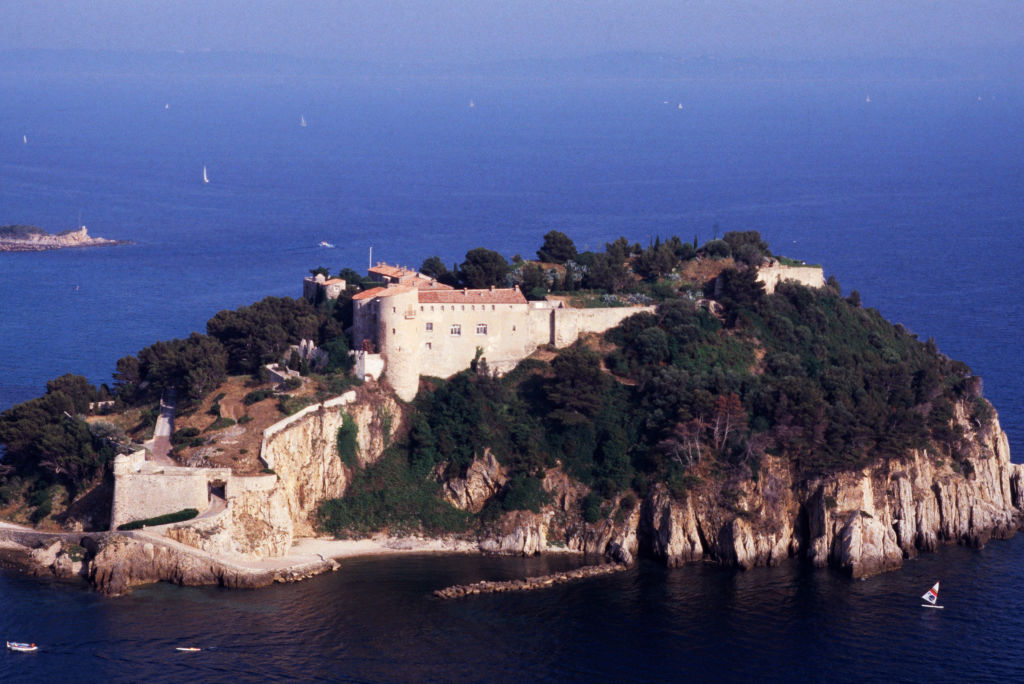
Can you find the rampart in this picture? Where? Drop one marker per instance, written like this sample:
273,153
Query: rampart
144,489
773,273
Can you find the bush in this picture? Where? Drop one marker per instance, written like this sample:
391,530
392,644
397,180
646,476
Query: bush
591,506
346,440
184,435
183,514
390,495
525,493
220,424
257,396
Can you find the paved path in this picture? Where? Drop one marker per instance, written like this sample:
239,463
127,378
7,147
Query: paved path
164,429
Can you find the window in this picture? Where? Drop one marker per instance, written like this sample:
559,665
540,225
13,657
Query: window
456,329
394,309
481,328
429,346
492,307
430,327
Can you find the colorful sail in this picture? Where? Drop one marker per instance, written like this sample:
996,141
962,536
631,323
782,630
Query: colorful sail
932,595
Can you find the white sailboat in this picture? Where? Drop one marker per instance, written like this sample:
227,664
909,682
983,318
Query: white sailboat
24,140
302,120
206,179
932,597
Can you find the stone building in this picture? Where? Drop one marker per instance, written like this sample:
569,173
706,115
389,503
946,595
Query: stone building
772,273
318,288
421,327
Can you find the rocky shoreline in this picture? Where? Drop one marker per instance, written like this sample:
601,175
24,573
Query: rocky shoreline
113,563
42,241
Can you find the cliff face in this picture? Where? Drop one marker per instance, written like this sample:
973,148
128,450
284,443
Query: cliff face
863,522
305,453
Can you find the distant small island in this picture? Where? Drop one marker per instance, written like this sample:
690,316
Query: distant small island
33,239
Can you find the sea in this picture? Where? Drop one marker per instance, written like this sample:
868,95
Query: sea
909,190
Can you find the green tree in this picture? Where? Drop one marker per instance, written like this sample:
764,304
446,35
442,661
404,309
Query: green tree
577,386
606,274
483,268
557,248
77,388
436,269
258,334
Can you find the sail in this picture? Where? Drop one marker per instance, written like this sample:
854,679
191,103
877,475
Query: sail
206,179
932,595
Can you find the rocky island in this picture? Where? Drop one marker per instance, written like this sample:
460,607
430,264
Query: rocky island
684,402
33,239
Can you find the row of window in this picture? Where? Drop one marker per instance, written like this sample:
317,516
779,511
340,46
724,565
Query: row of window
456,329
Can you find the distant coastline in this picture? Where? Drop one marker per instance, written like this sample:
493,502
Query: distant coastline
32,239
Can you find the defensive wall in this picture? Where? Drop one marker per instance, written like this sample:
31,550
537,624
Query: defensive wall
145,489
773,273
440,333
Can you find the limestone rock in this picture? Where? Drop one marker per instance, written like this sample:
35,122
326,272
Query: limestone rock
484,478
304,453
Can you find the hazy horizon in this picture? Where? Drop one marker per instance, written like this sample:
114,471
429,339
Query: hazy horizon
466,32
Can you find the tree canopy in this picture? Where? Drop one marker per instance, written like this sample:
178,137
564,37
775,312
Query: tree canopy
557,248
483,268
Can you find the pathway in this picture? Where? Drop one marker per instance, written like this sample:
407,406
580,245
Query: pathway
161,450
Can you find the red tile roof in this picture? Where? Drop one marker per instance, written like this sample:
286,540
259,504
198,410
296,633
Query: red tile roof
423,283
495,296
390,271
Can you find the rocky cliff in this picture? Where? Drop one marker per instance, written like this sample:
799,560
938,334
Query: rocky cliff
304,454
863,522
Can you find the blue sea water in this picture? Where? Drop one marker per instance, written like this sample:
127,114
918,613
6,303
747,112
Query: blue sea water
916,199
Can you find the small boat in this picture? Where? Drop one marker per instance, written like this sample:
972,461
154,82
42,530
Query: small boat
325,243
21,647
932,597
188,649
206,179
24,140
302,121
472,104
867,99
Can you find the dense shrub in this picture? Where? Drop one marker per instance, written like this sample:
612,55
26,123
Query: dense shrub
346,440
183,514
390,495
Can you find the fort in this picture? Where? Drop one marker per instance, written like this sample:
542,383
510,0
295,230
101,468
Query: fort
421,327
410,325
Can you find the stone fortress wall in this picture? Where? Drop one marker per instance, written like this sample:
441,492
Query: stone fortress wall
773,273
420,332
145,489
